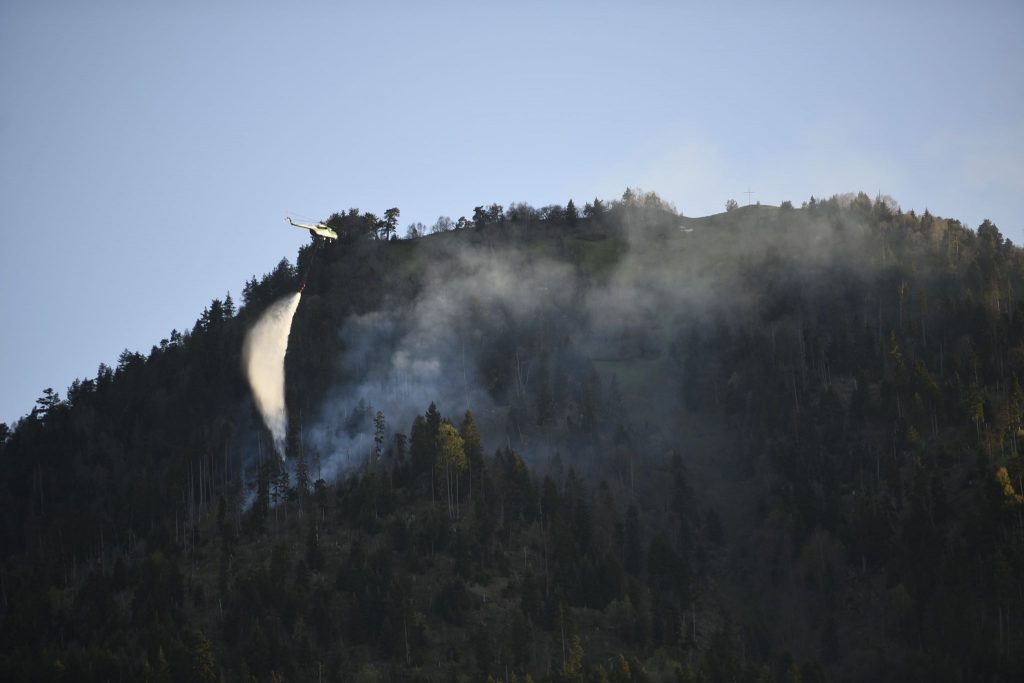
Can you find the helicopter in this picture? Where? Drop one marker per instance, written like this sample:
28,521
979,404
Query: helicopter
320,229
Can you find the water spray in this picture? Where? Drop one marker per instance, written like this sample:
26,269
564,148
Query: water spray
263,361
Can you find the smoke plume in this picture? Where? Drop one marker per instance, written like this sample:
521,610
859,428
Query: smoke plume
263,362
507,318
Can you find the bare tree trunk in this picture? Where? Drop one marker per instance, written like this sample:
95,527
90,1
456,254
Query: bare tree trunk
405,630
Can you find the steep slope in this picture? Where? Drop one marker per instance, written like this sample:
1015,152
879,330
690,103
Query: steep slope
773,443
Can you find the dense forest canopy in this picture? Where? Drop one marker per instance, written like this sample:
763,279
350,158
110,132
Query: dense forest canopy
599,443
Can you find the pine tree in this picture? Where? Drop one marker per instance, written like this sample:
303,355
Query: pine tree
160,671
593,210
48,401
472,446
571,214
202,664
378,435
620,670
282,488
572,669
390,223
433,418
302,477
400,447
422,446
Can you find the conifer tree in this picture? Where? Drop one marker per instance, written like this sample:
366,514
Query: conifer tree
571,213
301,477
472,447
378,435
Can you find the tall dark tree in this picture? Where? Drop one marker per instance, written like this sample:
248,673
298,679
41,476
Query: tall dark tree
389,229
473,448
378,435
571,214
479,217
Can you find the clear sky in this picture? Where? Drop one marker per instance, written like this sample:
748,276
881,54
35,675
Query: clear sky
150,151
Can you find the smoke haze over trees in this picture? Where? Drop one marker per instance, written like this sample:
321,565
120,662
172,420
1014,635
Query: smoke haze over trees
606,442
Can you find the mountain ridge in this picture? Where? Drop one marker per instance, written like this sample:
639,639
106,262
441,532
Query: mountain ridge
766,448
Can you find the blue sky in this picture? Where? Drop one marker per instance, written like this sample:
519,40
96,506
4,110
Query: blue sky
150,151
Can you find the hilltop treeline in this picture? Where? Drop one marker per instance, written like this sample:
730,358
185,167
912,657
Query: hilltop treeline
772,444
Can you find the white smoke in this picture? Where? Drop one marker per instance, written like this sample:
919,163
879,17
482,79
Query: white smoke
263,362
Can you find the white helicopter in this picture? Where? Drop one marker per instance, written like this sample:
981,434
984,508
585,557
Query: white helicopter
320,229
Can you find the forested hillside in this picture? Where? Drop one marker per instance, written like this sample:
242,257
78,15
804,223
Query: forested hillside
601,444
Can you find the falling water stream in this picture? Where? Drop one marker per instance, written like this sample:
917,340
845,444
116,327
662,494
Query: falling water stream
263,361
